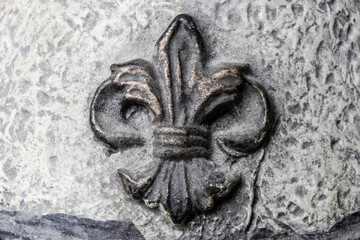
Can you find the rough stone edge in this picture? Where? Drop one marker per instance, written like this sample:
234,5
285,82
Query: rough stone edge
15,225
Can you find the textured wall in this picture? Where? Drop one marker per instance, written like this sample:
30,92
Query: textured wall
305,54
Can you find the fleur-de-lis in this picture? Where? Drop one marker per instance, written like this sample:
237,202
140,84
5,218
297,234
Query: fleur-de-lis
183,97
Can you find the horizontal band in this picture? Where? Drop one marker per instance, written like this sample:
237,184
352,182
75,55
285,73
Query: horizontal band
181,142
174,153
186,131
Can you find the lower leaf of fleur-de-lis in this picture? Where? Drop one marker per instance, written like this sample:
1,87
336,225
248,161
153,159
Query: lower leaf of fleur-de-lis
180,187
182,99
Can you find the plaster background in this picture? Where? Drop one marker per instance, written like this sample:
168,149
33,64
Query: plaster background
54,54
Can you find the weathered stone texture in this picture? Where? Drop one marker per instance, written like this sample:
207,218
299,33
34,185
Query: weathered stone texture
54,54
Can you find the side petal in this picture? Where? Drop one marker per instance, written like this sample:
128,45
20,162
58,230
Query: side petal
237,144
138,87
127,87
217,93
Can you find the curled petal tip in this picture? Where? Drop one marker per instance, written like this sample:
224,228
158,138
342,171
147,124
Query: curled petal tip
135,188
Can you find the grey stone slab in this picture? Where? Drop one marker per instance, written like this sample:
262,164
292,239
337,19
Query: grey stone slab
15,225
54,54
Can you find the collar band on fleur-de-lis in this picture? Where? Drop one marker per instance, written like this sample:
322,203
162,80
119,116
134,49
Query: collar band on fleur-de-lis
183,97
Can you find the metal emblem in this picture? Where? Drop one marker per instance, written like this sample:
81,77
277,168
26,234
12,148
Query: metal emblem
183,98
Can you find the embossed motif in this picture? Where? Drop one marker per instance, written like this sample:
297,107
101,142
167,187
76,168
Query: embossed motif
183,97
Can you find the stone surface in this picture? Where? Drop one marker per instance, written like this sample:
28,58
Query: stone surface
54,54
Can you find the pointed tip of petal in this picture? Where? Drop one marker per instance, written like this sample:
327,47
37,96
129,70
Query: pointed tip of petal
183,17
188,21
189,24
135,188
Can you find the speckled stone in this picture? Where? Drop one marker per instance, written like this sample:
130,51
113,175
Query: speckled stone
54,54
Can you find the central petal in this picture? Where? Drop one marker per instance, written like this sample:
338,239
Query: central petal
187,142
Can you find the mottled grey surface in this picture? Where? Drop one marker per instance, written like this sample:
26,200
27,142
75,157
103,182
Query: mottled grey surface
54,54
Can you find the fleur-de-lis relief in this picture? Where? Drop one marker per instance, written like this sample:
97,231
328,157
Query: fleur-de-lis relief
182,97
